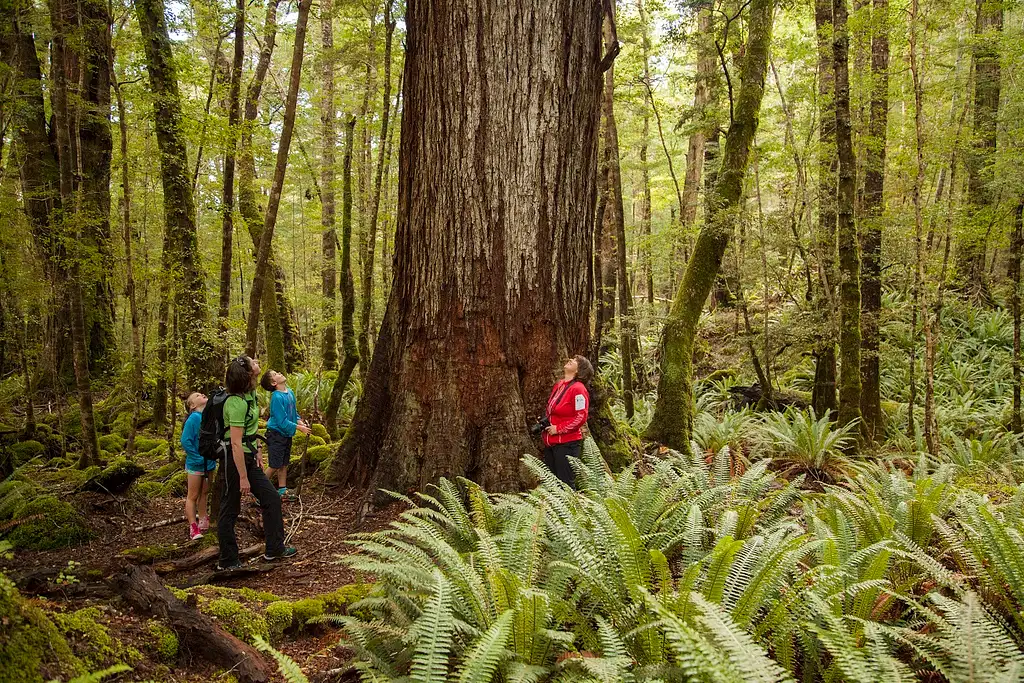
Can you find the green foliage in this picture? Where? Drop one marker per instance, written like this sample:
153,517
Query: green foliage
98,676
24,451
238,619
50,523
92,641
279,618
31,648
114,443
288,668
320,431
802,443
14,495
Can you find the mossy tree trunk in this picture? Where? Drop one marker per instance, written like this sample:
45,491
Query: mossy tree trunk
988,29
228,193
491,272
1016,247
264,272
823,397
846,228
202,364
350,352
672,423
871,225
329,138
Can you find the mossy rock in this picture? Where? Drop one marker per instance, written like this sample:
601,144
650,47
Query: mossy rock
306,609
116,478
177,485
338,601
149,489
144,444
15,494
159,452
91,639
148,554
121,425
320,431
239,620
279,616
32,649
51,524
114,443
314,441
163,641
163,472
24,451
318,455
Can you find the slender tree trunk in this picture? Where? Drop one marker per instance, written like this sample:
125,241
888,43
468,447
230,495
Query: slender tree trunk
672,423
364,118
702,97
987,76
138,385
647,257
507,291
162,333
846,229
266,239
365,318
329,344
1017,246
607,242
228,194
348,295
201,358
823,397
874,184
919,256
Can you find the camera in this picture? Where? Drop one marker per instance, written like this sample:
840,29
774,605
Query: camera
540,425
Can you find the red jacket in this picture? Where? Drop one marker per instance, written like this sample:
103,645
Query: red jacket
568,411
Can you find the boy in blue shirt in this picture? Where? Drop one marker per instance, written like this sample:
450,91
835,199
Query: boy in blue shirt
196,467
281,427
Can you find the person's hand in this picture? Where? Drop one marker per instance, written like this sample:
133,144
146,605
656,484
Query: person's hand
259,458
303,428
243,485
552,430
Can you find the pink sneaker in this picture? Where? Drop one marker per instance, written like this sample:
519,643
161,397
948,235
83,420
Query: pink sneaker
194,532
204,523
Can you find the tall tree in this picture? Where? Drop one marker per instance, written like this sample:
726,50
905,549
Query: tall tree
672,422
871,231
846,228
605,236
329,342
266,239
987,88
492,280
201,358
823,397
369,252
1016,247
228,194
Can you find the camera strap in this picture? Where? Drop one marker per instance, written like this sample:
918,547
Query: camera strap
561,395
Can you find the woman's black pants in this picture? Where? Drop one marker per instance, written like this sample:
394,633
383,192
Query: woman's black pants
231,505
556,457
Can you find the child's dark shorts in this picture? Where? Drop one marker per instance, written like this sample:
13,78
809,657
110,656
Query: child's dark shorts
279,449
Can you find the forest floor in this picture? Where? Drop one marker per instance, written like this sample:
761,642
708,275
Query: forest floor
318,525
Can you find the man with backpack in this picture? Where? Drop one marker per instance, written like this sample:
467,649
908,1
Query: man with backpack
234,416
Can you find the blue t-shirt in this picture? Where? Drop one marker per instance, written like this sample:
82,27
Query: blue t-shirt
284,417
190,443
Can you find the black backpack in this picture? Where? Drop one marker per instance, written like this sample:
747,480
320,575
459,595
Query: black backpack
212,444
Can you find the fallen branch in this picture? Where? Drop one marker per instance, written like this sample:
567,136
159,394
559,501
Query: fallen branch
162,523
199,559
143,590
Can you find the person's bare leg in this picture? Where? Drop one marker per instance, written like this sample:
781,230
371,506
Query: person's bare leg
204,494
195,488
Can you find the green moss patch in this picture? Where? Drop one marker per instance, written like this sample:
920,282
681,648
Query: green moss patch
14,496
149,489
238,619
147,554
163,472
50,524
92,641
177,485
145,444
320,431
116,477
26,450
115,443
318,455
163,641
32,649
279,616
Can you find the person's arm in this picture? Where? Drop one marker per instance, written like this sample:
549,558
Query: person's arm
279,408
239,457
581,403
187,438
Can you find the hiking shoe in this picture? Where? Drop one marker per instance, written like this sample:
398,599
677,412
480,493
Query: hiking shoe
194,532
204,523
289,496
287,552
229,567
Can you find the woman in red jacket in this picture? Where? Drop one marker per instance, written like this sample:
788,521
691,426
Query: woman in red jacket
567,411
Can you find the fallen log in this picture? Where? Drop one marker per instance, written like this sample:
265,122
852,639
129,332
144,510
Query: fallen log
143,590
202,557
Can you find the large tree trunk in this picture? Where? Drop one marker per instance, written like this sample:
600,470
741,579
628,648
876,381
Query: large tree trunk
329,340
264,273
491,285
874,184
823,397
672,423
987,75
846,229
348,294
1016,247
228,193
202,364
365,317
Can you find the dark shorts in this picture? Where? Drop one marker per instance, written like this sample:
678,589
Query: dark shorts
279,449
